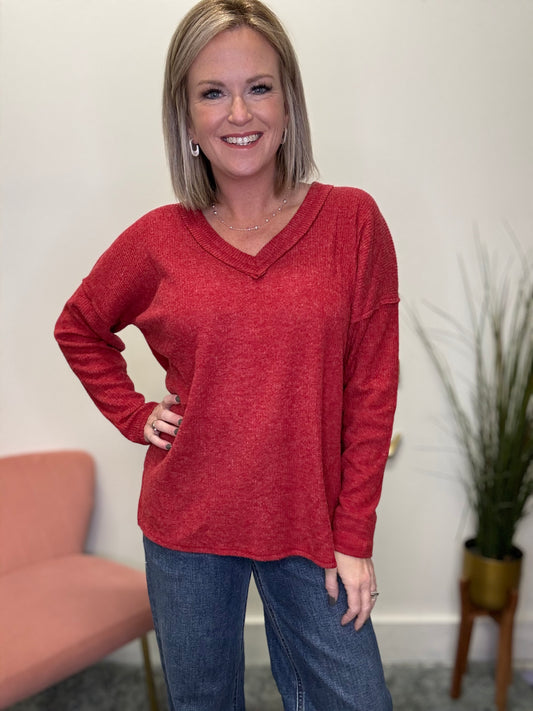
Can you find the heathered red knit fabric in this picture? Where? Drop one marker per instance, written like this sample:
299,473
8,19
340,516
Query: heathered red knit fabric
286,364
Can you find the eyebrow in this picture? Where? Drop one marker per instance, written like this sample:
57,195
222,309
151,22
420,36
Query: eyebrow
251,80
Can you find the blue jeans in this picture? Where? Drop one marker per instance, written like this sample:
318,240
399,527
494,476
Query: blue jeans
198,604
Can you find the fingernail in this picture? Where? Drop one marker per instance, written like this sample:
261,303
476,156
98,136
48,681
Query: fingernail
168,447
176,430
178,401
331,601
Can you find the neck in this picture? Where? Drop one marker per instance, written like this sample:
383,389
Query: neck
245,202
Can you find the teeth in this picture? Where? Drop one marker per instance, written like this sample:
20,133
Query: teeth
242,140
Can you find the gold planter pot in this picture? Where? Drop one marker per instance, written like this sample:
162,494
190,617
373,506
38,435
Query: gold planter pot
490,579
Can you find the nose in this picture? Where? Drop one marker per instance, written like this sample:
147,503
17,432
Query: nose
239,112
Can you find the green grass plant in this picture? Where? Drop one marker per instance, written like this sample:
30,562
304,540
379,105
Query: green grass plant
493,414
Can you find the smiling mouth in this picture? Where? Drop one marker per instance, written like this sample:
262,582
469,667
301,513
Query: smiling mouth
242,140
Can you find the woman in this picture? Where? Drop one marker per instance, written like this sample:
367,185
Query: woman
272,305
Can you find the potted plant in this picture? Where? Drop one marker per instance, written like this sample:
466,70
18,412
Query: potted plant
493,419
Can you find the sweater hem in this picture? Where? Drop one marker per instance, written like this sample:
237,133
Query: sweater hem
242,553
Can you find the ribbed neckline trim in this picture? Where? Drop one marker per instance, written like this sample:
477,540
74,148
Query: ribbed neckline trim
256,266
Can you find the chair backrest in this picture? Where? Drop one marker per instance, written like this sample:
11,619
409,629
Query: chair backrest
46,500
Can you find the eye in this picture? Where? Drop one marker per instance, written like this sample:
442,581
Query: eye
212,94
259,89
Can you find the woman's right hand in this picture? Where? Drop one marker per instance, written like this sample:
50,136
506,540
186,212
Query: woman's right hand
162,419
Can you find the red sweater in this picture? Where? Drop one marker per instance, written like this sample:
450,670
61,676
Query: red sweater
286,364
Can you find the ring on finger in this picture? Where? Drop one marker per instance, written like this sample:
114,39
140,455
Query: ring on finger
154,427
374,595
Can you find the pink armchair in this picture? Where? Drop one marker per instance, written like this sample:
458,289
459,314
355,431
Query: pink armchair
61,609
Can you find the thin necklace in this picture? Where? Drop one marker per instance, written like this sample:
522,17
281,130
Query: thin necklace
253,227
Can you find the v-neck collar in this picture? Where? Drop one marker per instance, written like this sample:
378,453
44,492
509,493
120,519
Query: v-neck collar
257,265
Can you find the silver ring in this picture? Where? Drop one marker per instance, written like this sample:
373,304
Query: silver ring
374,594
153,426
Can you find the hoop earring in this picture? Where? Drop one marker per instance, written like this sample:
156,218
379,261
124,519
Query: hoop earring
284,136
195,149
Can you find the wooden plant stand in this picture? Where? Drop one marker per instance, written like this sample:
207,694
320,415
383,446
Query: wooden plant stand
505,619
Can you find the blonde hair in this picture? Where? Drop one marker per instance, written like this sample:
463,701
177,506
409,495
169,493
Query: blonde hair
192,178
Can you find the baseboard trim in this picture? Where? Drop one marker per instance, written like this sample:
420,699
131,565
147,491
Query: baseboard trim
417,640
402,640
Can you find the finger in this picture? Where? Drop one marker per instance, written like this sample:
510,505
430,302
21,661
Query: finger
364,614
354,608
359,603
158,424
331,584
360,606
163,421
153,431
160,443
373,591
374,587
151,435
169,400
162,413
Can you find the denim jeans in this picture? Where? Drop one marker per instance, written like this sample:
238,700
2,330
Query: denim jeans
198,604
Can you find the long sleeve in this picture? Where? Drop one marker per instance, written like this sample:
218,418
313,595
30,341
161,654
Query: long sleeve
370,400
117,290
370,388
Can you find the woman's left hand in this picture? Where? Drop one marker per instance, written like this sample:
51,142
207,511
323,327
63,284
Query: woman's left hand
359,579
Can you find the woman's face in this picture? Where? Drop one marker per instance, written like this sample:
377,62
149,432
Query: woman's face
236,105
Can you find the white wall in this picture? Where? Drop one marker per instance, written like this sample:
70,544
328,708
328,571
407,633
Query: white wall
427,104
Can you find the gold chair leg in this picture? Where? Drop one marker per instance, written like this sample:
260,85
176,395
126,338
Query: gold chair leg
150,685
